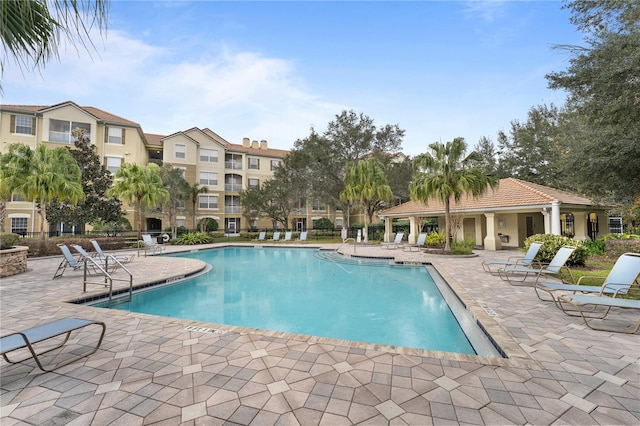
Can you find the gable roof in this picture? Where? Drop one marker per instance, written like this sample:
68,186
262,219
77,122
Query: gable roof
511,194
97,113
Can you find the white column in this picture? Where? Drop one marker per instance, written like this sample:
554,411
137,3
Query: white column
478,226
546,221
413,230
491,241
556,229
388,229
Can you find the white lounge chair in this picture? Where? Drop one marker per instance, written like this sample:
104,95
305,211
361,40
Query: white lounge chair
418,245
30,337
149,245
122,258
526,261
516,275
622,276
68,262
580,301
261,236
108,264
287,236
396,241
276,236
303,236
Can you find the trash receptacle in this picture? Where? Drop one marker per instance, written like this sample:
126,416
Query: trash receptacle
160,240
504,238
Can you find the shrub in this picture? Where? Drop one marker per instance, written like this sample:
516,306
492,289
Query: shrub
618,244
193,238
462,247
597,247
552,243
8,240
435,239
322,223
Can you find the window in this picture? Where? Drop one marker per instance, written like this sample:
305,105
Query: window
180,222
254,163
115,135
254,183
61,131
23,124
180,203
208,178
209,155
275,164
208,201
180,151
19,225
113,164
318,206
17,197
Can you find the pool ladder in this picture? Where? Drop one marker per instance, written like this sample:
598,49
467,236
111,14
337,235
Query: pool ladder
345,241
108,278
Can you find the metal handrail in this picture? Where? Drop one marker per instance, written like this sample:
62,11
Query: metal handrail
345,242
107,276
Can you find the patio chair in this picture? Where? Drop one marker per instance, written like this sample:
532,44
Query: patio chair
30,337
122,258
303,236
526,261
287,236
95,263
261,236
395,243
418,245
68,262
149,245
276,236
623,275
593,302
516,275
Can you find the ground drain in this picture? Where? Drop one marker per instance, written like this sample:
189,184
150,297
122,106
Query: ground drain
204,329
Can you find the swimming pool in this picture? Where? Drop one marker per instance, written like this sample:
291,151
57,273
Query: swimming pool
307,291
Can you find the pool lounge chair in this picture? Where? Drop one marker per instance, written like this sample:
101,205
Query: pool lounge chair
303,236
30,337
580,301
261,236
526,261
517,275
97,266
149,245
395,243
623,275
418,245
68,262
276,236
122,258
287,236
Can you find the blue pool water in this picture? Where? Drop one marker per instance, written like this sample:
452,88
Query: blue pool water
299,291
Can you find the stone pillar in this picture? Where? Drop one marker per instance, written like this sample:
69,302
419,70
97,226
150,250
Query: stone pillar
491,241
556,229
388,229
413,230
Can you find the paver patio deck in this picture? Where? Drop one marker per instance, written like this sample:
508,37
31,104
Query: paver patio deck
154,370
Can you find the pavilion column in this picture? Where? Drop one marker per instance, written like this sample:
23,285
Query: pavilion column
479,230
388,229
491,241
556,229
413,230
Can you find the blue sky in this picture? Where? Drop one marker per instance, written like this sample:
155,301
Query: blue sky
272,70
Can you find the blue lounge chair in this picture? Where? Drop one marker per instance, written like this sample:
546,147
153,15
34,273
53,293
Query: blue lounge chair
97,265
261,236
418,245
303,236
396,241
28,338
516,275
103,256
68,262
593,302
528,261
623,275
287,236
276,236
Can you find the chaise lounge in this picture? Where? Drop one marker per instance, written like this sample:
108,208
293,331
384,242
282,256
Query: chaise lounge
516,275
526,261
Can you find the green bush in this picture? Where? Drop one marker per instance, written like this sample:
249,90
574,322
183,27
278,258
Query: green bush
435,239
462,247
193,238
618,244
552,243
8,240
597,247
322,223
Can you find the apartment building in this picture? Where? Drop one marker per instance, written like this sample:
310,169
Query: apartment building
206,159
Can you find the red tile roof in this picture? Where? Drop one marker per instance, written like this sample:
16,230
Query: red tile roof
511,193
99,114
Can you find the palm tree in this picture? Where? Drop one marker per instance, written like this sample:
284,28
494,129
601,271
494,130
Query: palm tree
141,185
41,175
194,192
447,174
32,31
366,183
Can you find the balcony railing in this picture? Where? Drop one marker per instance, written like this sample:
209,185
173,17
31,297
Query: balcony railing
233,209
233,187
234,165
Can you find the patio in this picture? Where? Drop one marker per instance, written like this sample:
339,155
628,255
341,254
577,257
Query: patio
153,370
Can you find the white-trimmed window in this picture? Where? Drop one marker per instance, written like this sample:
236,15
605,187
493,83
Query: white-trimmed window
61,130
180,151
23,124
208,178
19,225
17,197
275,164
180,222
254,182
254,163
318,206
113,164
208,201
209,155
115,135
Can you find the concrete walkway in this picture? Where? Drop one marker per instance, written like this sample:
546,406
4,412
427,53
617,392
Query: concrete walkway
153,370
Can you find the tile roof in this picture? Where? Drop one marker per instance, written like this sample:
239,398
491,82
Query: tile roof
95,112
153,139
511,193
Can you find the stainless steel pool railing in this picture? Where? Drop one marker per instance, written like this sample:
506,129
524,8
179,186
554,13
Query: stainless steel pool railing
345,242
108,278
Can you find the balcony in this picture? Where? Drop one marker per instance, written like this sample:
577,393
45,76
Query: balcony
233,187
233,209
233,165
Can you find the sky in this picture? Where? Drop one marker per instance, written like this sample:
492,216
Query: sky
273,70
